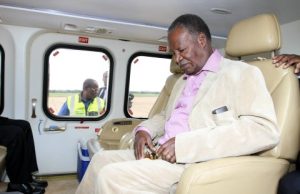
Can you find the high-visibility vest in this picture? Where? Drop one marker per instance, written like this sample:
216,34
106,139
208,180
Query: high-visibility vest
76,106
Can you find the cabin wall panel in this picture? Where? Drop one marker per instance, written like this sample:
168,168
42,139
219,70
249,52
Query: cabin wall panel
7,42
290,38
56,152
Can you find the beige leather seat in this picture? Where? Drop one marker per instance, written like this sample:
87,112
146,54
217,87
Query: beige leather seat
116,133
255,174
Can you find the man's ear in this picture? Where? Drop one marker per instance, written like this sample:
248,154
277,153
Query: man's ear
202,39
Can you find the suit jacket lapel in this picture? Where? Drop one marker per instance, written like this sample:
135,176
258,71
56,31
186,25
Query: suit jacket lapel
210,78
207,83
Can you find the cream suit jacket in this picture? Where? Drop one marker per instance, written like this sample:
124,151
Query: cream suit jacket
249,125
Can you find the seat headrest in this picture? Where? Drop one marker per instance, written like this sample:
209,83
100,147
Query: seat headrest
174,68
257,34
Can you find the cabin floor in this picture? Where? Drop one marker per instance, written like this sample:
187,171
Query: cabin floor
62,184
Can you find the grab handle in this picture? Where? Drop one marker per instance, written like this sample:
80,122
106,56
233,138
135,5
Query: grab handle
33,103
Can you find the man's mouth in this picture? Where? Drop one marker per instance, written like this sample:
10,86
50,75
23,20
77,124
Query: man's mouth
184,66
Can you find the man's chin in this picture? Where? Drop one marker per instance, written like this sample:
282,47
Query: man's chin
187,72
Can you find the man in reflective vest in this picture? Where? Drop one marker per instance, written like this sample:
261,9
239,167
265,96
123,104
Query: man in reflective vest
85,103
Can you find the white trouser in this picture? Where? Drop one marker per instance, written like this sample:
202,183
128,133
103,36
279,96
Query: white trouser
118,172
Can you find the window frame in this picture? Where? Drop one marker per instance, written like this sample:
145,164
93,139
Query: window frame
46,82
131,59
2,74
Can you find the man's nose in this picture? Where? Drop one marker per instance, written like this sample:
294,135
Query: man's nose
178,58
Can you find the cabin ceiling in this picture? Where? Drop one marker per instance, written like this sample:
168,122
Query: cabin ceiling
138,20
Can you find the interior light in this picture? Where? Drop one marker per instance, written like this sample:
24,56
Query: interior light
70,27
221,11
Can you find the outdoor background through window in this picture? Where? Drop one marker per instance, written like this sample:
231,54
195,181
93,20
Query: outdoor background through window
68,69
1,78
147,78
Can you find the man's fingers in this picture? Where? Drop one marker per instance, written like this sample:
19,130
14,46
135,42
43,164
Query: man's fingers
280,60
297,69
151,146
286,61
173,159
277,59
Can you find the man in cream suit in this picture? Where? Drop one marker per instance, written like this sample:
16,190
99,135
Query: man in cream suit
218,108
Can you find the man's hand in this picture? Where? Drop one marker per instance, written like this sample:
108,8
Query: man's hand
142,139
167,151
286,60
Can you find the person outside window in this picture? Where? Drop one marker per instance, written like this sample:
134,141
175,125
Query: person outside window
86,103
103,90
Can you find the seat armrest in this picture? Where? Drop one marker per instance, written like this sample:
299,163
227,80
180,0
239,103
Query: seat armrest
93,146
236,175
126,141
112,131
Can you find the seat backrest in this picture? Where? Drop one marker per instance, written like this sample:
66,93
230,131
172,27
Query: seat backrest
259,35
164,95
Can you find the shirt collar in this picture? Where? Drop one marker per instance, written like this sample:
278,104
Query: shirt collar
81,99
213,62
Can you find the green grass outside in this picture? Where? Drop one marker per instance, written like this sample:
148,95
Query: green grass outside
137,94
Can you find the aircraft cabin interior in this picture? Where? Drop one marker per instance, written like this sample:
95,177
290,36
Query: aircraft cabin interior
51,50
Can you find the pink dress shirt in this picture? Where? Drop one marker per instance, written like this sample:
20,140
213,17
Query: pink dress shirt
178,121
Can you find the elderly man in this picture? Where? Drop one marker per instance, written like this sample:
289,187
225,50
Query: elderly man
218,108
